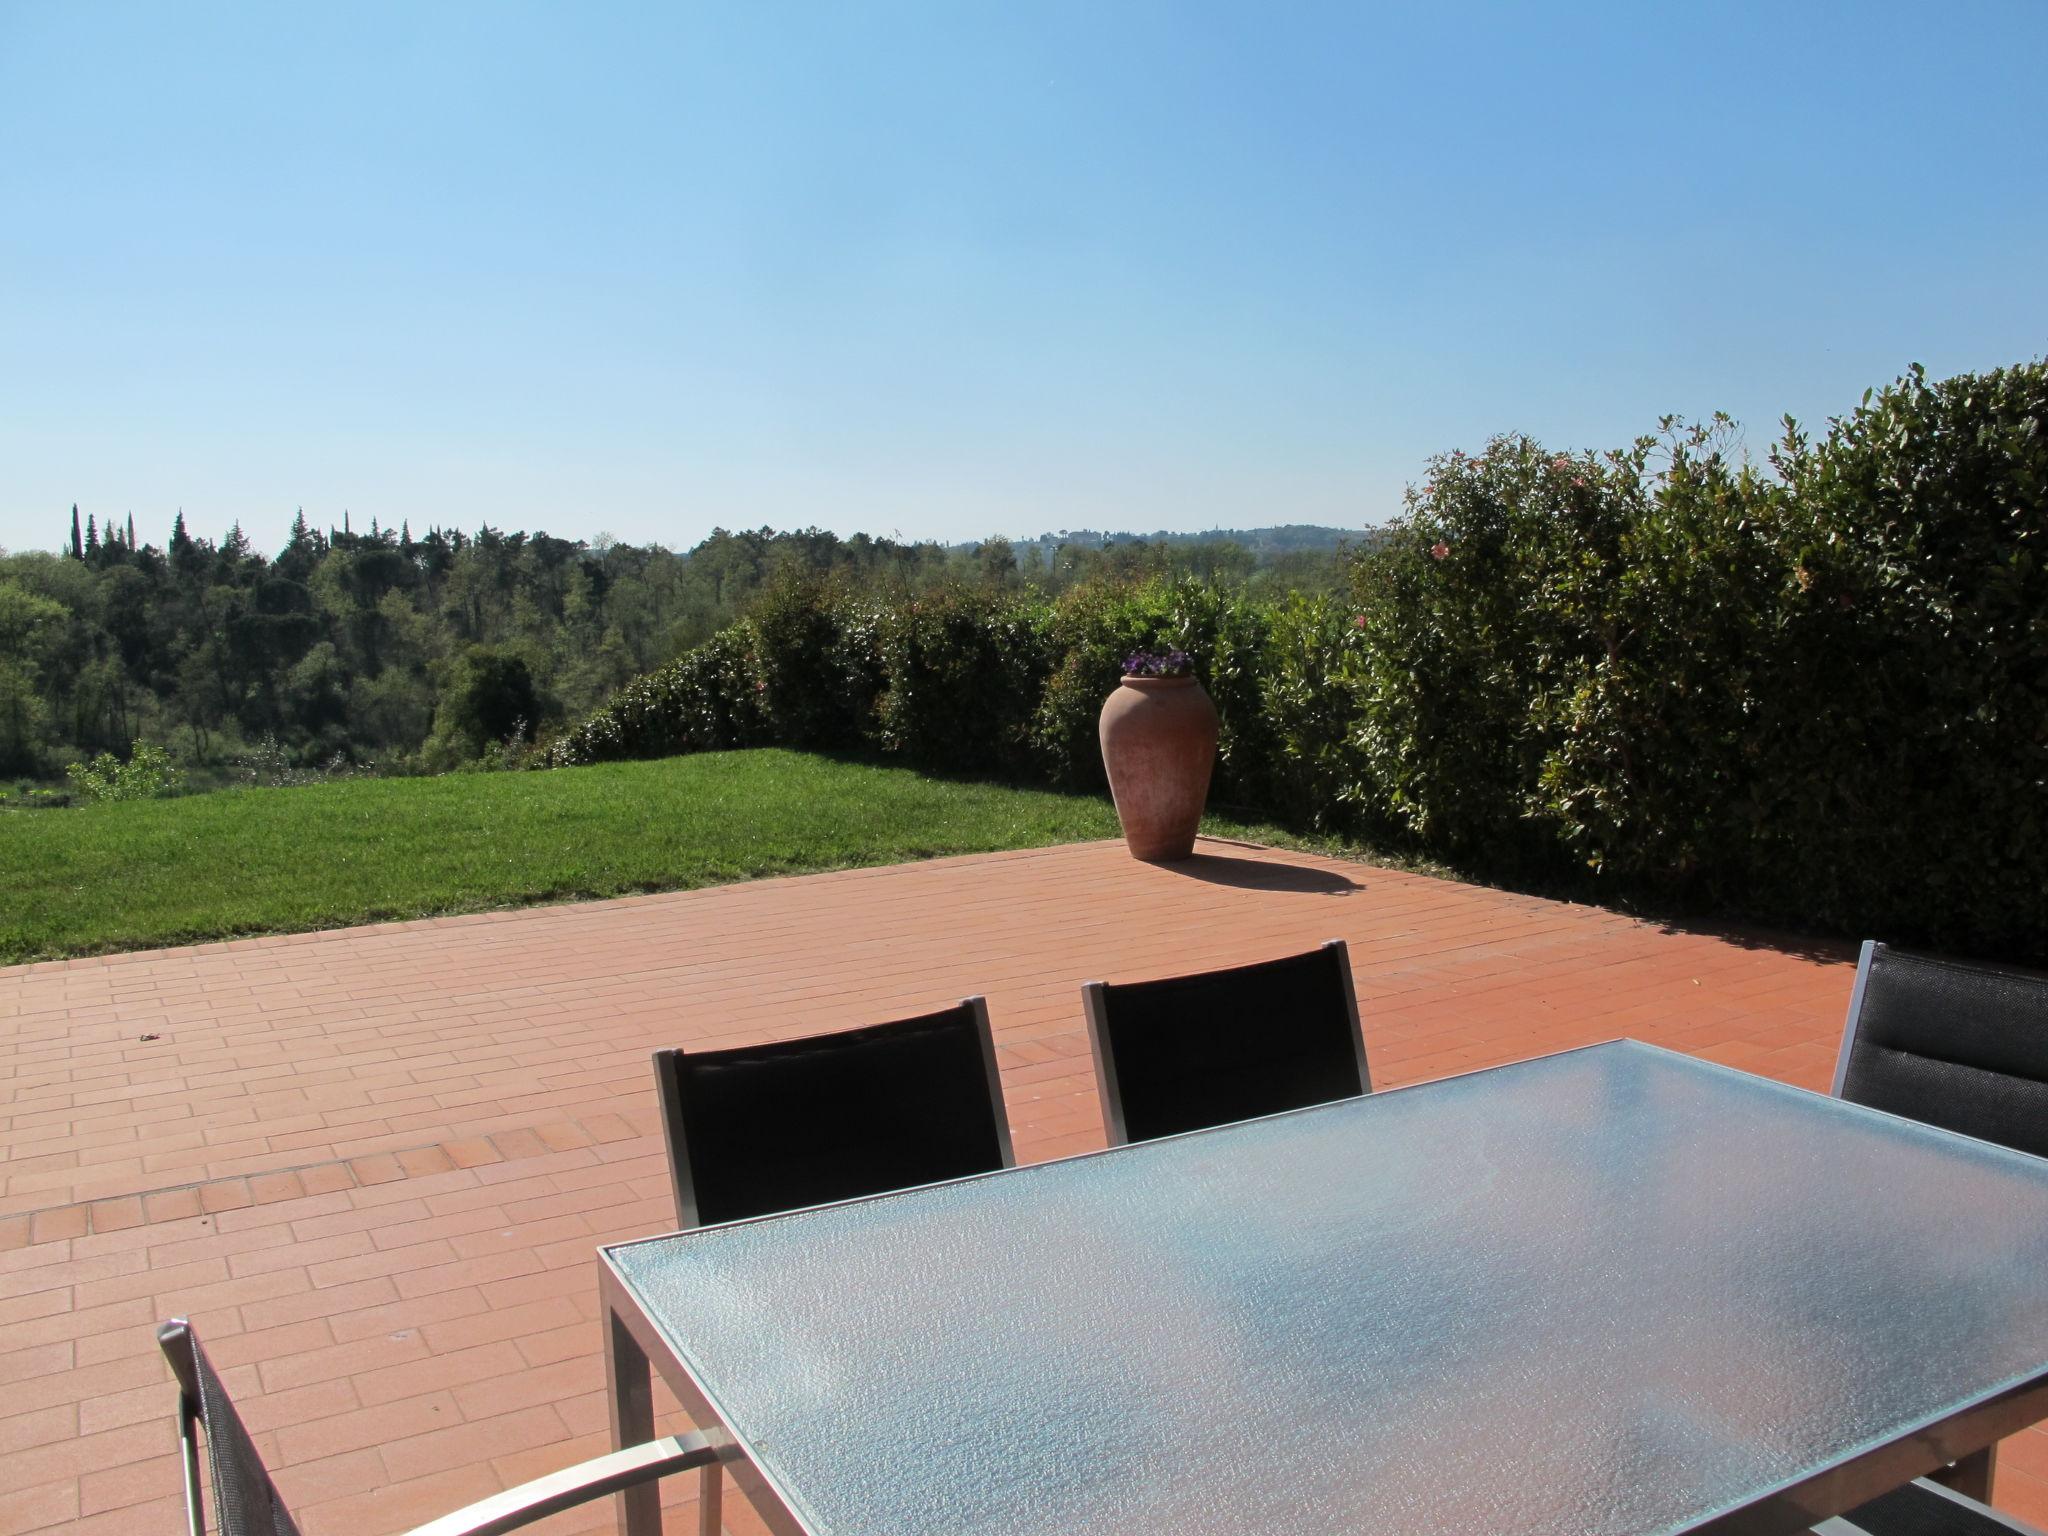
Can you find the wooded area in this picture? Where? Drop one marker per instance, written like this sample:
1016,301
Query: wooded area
348,648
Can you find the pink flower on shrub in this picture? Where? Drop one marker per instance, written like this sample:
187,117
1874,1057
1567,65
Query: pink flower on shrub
1439,550
1358,621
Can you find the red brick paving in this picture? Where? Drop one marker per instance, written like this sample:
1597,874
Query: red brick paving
372,1165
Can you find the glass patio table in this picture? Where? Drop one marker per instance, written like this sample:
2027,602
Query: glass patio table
1614,1290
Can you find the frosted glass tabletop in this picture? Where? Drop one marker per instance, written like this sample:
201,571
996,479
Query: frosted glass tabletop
1614,1290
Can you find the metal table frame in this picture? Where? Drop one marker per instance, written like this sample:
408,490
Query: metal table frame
1957,1449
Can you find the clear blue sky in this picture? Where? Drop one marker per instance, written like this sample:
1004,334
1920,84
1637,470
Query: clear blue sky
964,267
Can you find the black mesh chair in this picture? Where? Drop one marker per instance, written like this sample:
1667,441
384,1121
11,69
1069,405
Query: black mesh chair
767,1128
1924,1508
1957,1044
776,1127
1963,1046
245,1501
1190,1052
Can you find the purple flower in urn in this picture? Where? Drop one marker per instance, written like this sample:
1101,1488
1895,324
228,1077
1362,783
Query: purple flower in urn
1158,664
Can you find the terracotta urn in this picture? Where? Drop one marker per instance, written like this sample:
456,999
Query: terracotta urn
1159,745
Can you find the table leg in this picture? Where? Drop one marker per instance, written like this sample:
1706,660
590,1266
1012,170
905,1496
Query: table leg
711,1501
1971,1477
631,1384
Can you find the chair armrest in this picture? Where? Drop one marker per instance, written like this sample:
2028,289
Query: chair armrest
557,1491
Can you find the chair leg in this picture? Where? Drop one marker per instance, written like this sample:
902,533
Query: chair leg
711,1501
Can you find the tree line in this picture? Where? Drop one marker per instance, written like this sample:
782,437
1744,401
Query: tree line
425,653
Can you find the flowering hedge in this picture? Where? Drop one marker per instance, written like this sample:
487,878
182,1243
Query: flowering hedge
1815,696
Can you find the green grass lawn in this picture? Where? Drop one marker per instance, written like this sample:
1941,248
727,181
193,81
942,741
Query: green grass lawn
243,861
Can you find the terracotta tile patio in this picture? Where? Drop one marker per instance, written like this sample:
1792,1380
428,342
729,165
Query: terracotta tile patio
372,1165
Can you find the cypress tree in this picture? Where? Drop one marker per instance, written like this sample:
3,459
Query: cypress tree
188,556
77,544
92,535
130,541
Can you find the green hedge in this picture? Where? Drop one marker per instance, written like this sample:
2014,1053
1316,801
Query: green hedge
708,700
1814,695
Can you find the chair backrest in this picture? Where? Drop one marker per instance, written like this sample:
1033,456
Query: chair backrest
245,1501
768,1128
1188,1052
1958,1044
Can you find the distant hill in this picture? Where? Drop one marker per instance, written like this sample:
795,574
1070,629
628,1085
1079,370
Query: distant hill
1289,538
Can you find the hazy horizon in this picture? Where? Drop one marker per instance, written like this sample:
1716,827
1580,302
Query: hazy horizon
936,274
159,538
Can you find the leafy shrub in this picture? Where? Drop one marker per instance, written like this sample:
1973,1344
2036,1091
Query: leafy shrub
1908,736
1444,730
27,796
1226,632
962,668
1653,624
147,775
1560,666
820,668
1818,700
1091,630
270,764
1314,773
490,700
1094,628
707,700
